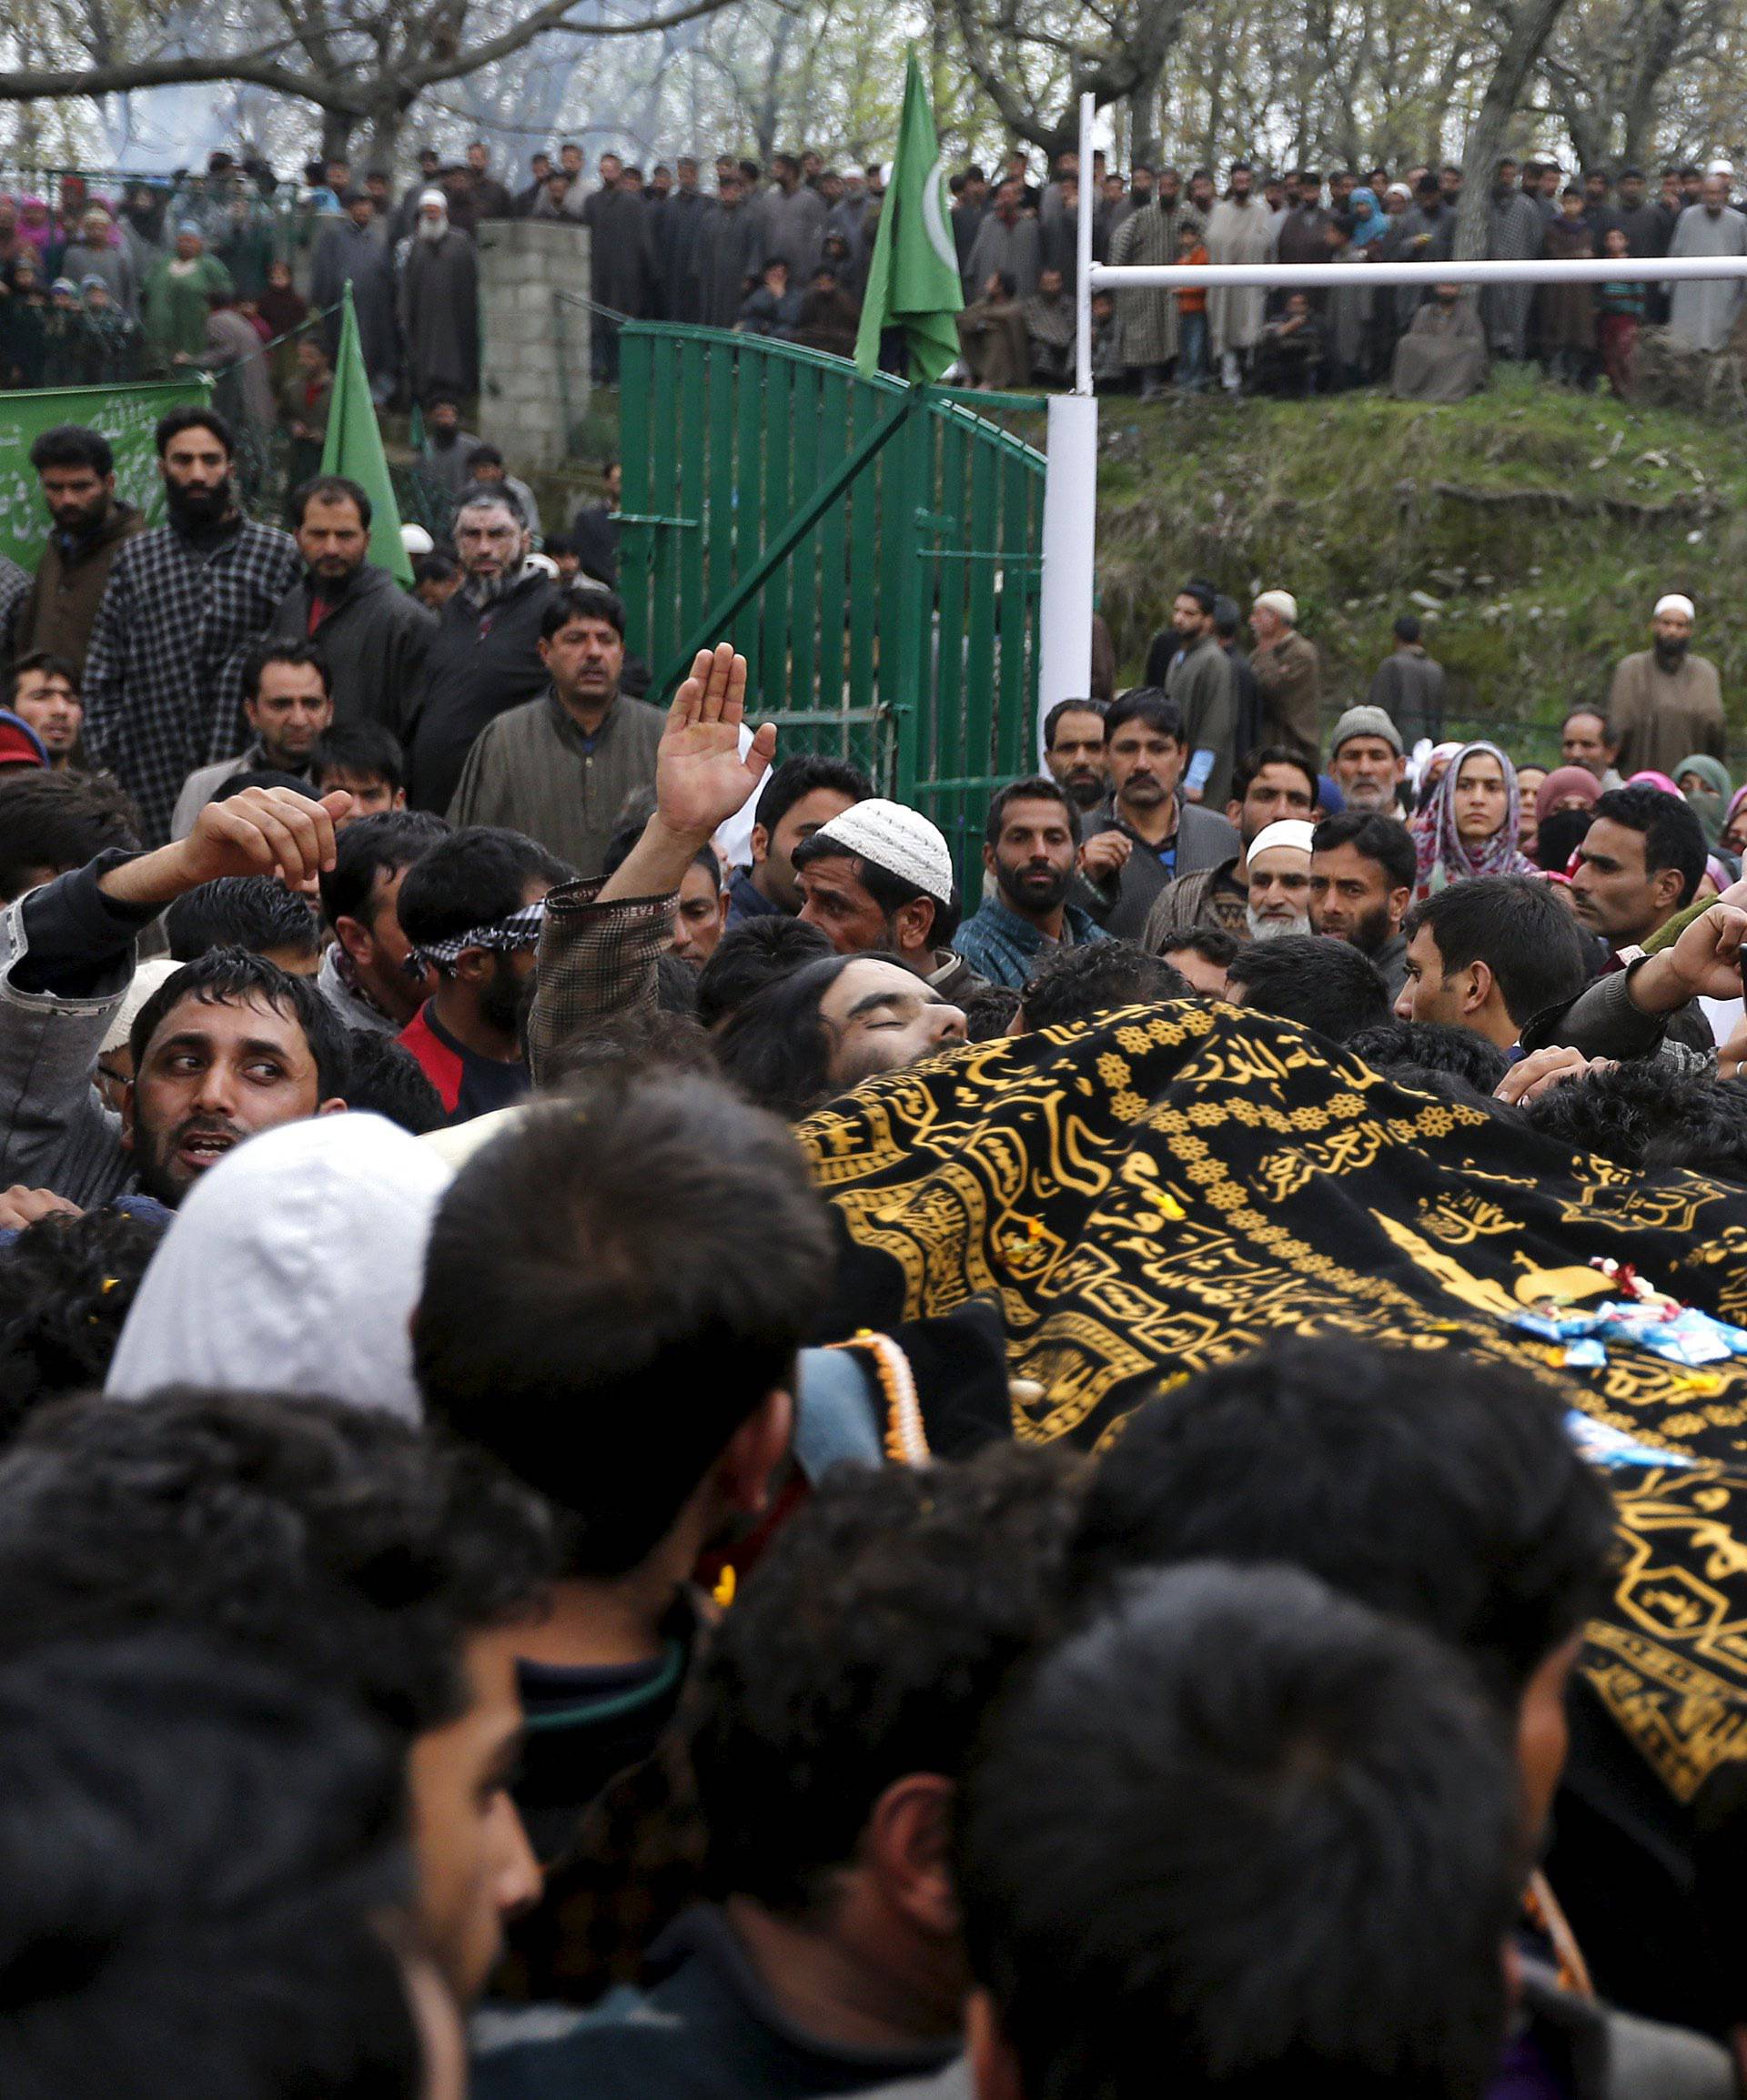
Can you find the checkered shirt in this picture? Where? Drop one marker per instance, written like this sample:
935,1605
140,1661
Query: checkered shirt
597,961
163,679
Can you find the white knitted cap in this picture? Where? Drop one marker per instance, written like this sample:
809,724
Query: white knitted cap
902,841
1283,602
1288,832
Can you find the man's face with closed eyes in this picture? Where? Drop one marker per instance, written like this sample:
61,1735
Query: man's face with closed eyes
879,1017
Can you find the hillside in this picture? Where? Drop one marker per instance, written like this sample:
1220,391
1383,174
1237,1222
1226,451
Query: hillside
1536,526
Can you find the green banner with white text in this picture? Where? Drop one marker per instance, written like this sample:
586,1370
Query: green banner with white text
125,415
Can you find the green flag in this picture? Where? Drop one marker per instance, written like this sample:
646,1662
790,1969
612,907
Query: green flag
913,283
354,448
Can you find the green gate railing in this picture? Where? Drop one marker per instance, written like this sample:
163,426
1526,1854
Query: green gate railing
874,550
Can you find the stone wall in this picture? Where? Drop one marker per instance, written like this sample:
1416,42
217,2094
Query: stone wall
535,347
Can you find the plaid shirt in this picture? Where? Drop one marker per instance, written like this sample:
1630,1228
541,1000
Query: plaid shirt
15,587
596,962
163,680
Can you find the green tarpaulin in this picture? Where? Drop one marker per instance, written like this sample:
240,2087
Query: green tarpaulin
126,415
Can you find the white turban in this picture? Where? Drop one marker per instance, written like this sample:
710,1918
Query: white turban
902,841
1674,602
1288,832
1281,602
1725,169
434,196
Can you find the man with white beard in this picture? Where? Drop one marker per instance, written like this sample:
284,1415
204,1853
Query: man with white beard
1279,881
440,305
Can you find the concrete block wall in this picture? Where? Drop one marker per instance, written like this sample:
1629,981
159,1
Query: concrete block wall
535,359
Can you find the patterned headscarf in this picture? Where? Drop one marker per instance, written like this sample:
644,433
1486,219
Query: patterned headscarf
1444,856
517,929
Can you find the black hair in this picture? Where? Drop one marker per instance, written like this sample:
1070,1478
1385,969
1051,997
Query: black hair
374,846
1374,837
1645,1116
1557,836
802,775
1610,735
345,1546
1407,627
485,455
285,649
233,977
1442,1488
749,957
891,893
868,1644
66,1284
387,1080
265,776
366,748
1244,772
1204,594
1226,616
1415,1049
472,878
583,602
1064,707
1518,929
190,415
329,488
253,911
73,445
436,567
1673,837
195,1858
57,821
988,1011
1325,984
1039,788
1097,978
1144,703
48,663
1212,944
612,1288
1204,1834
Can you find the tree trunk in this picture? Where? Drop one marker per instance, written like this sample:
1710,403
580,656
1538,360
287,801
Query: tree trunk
1144,142
1531,24
336,128
386,122
1638,105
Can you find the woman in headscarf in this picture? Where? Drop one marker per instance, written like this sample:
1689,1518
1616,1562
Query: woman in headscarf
1470,827
283,308
1529,779
24,320
1437,765
1734,825
1705,784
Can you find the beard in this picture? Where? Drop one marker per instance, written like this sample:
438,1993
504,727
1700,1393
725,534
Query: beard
1669,654
161,1173
1273,929
1372,930
76,519
196,508
1085,787
504,996
1030,889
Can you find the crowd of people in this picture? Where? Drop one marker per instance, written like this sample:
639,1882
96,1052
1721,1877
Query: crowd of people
206,271
485,1606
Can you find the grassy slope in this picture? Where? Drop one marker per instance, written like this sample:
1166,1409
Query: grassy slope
1335,501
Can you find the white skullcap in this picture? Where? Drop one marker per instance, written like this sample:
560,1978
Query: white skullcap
148,978
902,841
416,541
543,563
1398,190
1674,602
1288,832
1724,168
1283,602
432,196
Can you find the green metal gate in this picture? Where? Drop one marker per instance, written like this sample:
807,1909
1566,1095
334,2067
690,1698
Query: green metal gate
874,550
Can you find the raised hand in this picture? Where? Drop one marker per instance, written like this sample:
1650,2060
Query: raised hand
700,779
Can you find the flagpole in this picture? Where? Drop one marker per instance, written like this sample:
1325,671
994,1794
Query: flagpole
1071,490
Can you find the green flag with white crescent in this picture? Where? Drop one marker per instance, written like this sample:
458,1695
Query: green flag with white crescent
913,283
354,448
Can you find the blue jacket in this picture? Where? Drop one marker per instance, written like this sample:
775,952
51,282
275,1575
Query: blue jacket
1002,946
